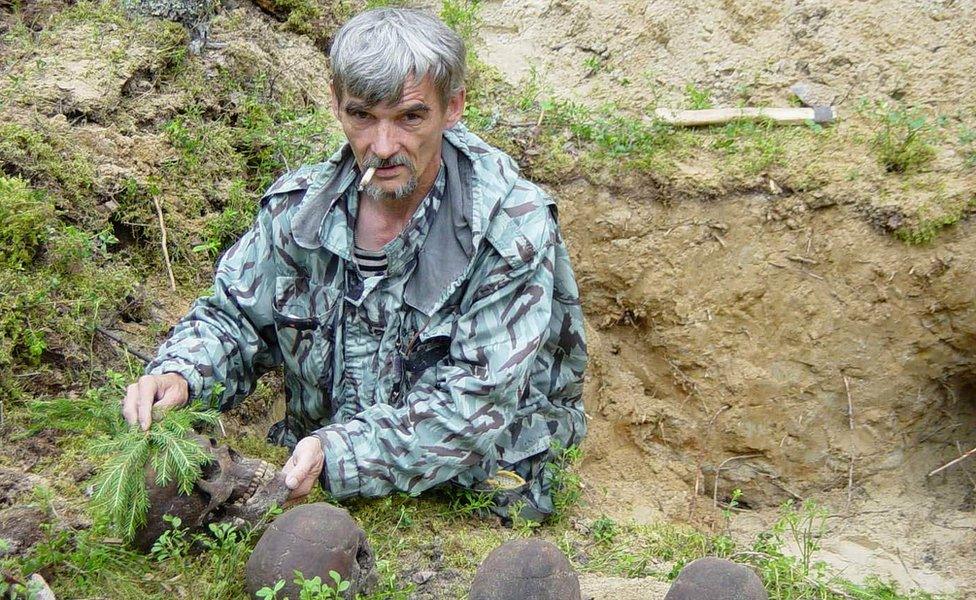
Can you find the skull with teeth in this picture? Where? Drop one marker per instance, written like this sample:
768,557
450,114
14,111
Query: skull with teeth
233,488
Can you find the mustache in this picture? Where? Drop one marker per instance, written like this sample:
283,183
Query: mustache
393,161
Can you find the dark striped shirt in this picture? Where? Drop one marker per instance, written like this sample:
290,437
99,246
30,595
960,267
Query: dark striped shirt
371,262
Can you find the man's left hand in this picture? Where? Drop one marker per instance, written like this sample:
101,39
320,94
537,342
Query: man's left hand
303,468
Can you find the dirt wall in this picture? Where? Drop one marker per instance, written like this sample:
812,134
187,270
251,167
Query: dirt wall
719,330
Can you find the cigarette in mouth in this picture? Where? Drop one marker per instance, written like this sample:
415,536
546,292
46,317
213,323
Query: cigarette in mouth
366,178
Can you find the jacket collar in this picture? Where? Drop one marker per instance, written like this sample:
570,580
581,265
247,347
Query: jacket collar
476,185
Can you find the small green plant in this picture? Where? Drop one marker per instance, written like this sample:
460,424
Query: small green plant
270,593
967,139
698,98
754,146
788,575
926,227
566,486
904,138
465,502
727,512
310,589
173,543
593,65
521,525
605,530
461,16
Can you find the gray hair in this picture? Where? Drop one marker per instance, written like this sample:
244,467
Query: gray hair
376,51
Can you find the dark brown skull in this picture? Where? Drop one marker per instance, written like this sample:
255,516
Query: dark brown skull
312,539
233,488
531,569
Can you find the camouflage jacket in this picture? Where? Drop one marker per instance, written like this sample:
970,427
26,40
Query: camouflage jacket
476,355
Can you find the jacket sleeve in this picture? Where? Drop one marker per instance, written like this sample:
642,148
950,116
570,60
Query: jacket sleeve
228,337
449,424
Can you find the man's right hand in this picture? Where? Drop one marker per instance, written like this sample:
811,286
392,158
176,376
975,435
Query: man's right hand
153,392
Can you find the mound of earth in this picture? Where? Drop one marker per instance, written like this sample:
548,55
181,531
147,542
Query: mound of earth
773,340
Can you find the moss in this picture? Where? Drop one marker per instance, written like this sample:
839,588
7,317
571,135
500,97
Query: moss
25,218
926,228
44,156
57,280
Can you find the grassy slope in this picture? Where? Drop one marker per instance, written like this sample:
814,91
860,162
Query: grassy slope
203,138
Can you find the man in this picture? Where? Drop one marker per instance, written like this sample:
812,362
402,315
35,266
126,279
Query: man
429,325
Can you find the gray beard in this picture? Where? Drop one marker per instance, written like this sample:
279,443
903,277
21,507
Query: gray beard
377,193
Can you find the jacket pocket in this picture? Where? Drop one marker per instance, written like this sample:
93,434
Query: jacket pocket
304,314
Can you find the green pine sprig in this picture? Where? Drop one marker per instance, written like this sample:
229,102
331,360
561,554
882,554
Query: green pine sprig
93,413
121,498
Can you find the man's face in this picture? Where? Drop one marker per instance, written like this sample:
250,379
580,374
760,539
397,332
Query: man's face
402,140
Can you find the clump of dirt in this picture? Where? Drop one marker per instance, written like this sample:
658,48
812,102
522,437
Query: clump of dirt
20,526
28,452
14,484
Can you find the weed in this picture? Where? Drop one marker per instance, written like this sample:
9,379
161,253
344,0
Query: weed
530,90
926,228
754,146
593,65
310,589
904,138
566,485
466,502
698,98
461,16
967,139
173,544
786,575
605,530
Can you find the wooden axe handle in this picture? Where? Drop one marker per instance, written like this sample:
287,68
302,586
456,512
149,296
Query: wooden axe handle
720,116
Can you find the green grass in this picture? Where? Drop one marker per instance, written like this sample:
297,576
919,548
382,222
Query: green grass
462,17
698,98
438,531
904,138
752,146
925,228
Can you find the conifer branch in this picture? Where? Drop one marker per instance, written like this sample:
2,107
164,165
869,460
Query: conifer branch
121,498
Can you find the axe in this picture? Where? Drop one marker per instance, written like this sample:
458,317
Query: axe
721,116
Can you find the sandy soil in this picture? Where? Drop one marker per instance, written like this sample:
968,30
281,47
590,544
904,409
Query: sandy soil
650,50
733,335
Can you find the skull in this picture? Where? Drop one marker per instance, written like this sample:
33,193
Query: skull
314,540
232,488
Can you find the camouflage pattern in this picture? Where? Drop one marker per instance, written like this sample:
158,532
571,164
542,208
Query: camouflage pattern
465,358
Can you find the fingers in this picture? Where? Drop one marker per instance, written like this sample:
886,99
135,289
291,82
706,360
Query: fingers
303,468
147,395
129,410
173,395
140,404
300,464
